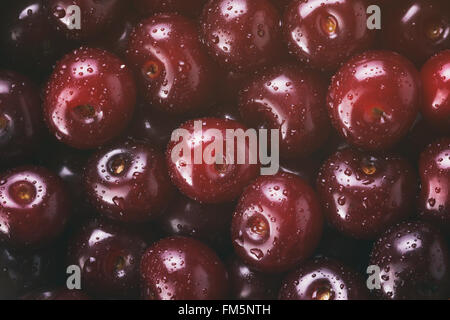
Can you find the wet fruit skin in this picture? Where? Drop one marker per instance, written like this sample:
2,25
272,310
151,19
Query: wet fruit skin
363,194
414,262
180,268
374,99
208,223
34,206
434,169
173,70
190,8
209,183
21,125
325,34
277,223
241,35
436,87
292,100
323,279
417,28
96,17
248,284
128,182
89,99
56,294
109,258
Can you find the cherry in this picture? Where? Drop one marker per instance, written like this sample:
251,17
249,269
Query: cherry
95,17
207,223
34,206
89,98
417,28
242,35
292,100
191,8
109,258
174,71
434,168
374,99
210,183
56,294
363,194
323,279
414,262
128,182
116,41
277,223
179,268
325,34
436,87
247,284
21,124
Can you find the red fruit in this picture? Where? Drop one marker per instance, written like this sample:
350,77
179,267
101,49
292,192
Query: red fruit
173,69
277,223
181,268
436,88
374,99
89,99
190,8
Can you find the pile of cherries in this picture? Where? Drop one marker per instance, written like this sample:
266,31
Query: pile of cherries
87,178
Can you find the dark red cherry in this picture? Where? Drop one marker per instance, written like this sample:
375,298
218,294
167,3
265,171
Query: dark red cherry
108,257
277,223
374,99
208,223
414,262
128,182
241,35
180,268
173,69
323,279
216,182
94,17
89,99
34,206
292,100
116,41
363,194
417,28
56,294
326,33
434,168
247,284
191,8
436,88
21,125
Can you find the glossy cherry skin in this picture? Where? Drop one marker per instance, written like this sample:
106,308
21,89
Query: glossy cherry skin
108,257
208,223
96,17
414,262
203,182
434,169
128,182
436,87
34,206
191,8
89,98
180,268
175,73
374,99
21,124
363,194
56,294
325,34
292,100
323,279
277,223
417,28
242,35
248,284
